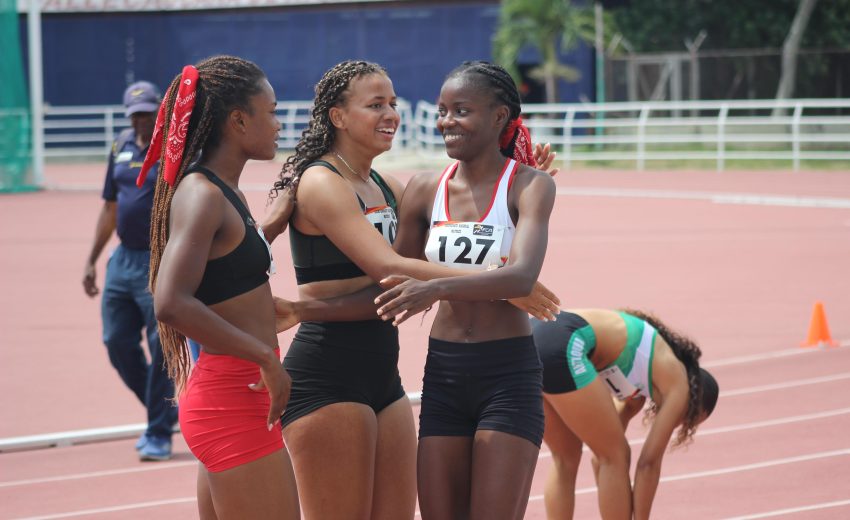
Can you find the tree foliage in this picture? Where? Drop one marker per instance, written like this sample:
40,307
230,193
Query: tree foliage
549,26
663,25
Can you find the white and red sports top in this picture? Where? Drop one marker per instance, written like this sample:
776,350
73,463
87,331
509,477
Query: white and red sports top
478,245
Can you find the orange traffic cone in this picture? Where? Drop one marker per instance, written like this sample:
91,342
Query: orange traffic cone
818,329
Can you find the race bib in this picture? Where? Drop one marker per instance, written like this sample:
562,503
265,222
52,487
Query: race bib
385,221
617,383
272,269
466,245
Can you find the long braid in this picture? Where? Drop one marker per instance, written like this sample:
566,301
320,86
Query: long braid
224,83
688,353
319,136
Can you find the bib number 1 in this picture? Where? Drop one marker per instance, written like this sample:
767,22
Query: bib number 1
617,383
385,222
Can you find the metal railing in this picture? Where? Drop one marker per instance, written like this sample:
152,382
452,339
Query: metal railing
88,131
638,134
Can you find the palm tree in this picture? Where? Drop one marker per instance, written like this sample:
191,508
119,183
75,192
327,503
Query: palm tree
545,25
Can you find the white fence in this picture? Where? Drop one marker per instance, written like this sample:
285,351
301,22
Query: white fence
635,135
88,131
716,131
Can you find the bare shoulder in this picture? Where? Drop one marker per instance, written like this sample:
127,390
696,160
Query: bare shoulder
197,192
425,180
528,176
422,186
318,176
320,185
533,186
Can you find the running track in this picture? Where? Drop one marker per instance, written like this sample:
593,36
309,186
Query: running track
734,259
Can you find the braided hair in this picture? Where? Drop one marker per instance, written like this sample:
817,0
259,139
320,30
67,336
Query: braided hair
498,81
702,387
319,136
224,83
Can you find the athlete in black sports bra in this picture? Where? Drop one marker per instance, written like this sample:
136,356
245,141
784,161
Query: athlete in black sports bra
208,278
242,269
355,361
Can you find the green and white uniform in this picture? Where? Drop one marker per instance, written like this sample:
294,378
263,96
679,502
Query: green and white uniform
566,345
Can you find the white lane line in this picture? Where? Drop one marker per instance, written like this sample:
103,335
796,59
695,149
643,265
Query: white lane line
685,476
801,509
416,397
750,199
99,510
752,358
734,469
68,438
759,465
772,422
95,474
785,385
543,454
727,470
740,427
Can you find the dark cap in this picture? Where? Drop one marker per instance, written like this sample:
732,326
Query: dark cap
141,96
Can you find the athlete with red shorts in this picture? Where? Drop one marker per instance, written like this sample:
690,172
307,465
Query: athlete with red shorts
209,265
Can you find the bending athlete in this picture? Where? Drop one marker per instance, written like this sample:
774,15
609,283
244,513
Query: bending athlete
589,355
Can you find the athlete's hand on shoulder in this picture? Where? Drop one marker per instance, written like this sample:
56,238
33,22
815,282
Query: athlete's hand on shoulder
544,157
276,379
285,314
90,280
278,216
406,297
542,303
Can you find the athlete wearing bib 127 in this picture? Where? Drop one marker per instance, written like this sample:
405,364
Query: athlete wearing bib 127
481,418
502,393
472,245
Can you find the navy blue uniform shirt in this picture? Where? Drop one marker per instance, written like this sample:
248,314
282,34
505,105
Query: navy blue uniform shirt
134,204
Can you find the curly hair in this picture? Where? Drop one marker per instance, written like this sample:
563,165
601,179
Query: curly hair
496,80
319,136
702,388
224,83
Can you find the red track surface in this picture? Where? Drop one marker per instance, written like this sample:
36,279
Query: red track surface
740,278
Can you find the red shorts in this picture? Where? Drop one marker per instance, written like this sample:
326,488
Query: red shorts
222,420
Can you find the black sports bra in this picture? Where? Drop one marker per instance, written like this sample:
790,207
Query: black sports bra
242,269
316,258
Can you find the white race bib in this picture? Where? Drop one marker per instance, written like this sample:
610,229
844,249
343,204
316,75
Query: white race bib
617,383
466,245
384,220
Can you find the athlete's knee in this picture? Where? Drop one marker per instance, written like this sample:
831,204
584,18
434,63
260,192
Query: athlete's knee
566,462
615,454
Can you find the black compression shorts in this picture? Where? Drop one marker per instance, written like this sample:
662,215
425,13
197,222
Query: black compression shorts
337,362
492,385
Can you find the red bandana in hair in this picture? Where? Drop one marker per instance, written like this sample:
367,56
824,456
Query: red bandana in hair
177,128
519,134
